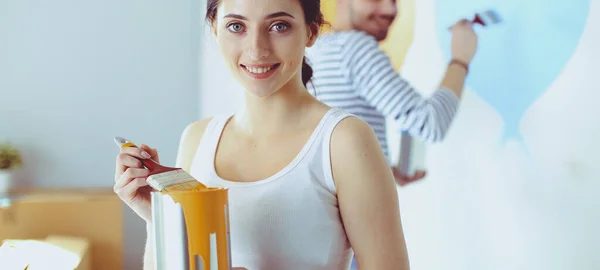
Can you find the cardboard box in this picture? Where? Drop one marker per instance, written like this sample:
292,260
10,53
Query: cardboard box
96,215
55,252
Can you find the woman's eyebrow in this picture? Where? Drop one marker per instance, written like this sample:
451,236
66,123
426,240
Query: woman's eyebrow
270,16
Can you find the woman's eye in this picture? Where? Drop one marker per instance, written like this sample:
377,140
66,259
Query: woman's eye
280,27
235,27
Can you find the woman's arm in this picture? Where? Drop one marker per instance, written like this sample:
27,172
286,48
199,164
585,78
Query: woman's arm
367,197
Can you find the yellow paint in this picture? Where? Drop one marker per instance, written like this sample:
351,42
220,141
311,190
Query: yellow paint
401,33
206,212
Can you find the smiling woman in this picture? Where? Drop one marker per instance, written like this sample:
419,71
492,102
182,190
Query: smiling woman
276,35
309,185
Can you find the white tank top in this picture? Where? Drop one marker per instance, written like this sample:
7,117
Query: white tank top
290,220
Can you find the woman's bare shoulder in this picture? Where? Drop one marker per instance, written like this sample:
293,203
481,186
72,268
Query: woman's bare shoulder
352,131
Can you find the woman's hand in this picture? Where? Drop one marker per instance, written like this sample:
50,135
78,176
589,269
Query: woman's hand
130,179
405,180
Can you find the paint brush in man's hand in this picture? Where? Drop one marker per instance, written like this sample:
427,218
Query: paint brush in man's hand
486,18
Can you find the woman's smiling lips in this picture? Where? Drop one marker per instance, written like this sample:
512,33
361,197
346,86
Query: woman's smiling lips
260,72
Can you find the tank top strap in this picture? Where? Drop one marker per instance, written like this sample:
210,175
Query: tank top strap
214,131
208,145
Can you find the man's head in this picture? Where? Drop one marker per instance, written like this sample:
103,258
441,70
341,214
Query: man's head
371,16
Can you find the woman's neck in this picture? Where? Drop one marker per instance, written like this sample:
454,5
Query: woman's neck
275,114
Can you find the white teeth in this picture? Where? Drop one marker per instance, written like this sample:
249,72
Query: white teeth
258,70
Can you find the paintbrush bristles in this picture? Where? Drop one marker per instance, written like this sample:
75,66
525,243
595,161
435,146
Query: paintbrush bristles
173,180
492,16
191,185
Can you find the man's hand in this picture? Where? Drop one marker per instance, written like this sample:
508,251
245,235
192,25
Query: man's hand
464,41
404,180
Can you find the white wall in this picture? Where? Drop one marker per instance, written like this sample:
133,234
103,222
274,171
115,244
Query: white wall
220,93
73,74
496,210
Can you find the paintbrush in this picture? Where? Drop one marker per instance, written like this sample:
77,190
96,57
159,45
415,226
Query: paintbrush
163,178
486,18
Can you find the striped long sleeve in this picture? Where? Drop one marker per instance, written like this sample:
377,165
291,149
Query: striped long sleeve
372,75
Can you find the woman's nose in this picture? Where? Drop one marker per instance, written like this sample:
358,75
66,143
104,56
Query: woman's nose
258,47
257,53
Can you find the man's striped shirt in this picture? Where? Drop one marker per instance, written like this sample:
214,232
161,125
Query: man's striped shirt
352,72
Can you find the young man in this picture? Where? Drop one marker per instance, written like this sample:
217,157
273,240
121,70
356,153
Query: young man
353,73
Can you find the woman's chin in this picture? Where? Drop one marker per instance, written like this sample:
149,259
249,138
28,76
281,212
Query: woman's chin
260,92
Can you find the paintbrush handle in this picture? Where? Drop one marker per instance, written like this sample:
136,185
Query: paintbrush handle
155,168
152,166
476,20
